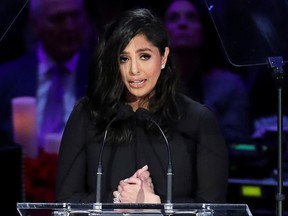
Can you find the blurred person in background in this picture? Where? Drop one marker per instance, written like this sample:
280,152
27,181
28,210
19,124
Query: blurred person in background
203,70
60,28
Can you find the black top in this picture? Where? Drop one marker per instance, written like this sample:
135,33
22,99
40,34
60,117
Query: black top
198,150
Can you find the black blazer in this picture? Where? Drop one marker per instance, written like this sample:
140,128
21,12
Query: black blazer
198,151
19,78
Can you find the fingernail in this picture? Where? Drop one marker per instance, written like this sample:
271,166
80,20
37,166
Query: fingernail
146,166
125,180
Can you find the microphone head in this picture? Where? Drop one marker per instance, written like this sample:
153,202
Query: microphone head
143,114
124,112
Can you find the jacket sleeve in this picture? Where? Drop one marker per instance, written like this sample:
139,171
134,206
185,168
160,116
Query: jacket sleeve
71,182
212,161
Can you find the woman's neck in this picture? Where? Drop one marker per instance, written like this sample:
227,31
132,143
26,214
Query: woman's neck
138,102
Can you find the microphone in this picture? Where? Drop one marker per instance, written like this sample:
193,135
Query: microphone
143,114
124,112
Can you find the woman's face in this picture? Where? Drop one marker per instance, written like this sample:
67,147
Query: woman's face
140,67
183,25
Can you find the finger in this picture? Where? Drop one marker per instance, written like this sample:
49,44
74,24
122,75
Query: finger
116,198
149,179
119,188
125,181
151,186
116,193
139,171
131,180
144,175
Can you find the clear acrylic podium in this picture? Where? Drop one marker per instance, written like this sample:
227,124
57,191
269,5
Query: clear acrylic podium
93,209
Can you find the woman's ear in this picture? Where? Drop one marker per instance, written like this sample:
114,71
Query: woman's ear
165,57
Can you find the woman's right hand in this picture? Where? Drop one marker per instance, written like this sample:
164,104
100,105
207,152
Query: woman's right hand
137,189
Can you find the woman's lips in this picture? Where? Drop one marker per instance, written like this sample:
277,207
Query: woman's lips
137,83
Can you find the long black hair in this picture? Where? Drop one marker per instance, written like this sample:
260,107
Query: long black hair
106,88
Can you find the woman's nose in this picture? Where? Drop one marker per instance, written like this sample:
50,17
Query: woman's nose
183,22
134,68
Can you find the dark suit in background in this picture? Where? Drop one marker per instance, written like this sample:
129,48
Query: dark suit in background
19,78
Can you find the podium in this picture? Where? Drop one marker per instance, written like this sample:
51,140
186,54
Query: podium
93,209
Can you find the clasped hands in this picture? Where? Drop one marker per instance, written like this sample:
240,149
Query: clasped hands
136,189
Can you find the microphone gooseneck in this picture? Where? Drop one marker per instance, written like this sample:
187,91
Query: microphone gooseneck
143,114
124,112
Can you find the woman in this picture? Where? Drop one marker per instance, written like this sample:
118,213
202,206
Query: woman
203,70
133,70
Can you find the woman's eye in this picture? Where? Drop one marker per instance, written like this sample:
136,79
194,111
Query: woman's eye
192,17
145,56
174,17
123,59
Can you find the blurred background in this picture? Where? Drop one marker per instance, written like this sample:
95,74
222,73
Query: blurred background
228,49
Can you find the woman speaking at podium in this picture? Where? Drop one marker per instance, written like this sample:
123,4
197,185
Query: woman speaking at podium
133,124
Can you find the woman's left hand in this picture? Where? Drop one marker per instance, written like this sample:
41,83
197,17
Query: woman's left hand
136,189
